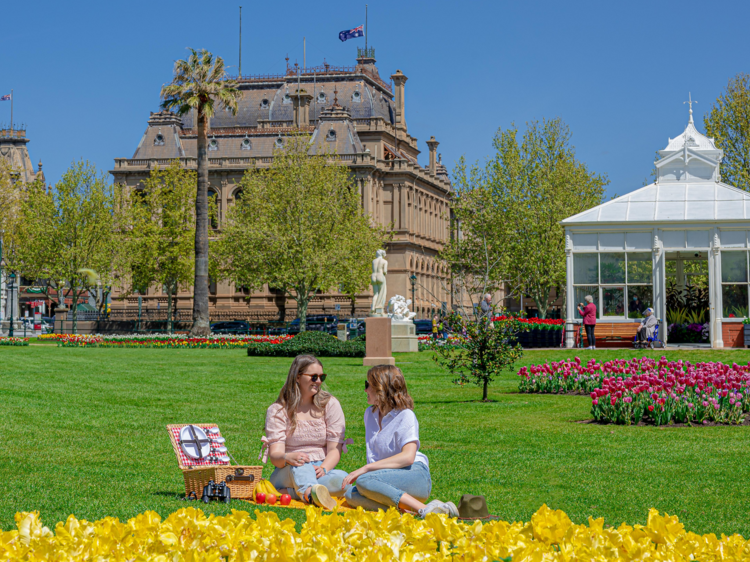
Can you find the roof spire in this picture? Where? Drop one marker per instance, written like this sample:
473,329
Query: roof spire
690,103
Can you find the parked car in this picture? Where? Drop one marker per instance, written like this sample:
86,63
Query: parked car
315,323
236,327
423,326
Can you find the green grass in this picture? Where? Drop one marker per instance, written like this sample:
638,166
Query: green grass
83,432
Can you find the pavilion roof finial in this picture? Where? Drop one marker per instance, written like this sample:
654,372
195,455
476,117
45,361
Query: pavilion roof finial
690,103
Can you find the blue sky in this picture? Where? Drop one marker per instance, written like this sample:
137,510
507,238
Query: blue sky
86,74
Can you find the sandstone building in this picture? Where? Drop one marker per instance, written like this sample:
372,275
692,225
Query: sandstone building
361,117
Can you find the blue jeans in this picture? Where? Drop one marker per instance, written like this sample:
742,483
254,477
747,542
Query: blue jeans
299,478
383,488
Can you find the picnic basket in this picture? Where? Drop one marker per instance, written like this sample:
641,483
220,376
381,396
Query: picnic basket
197,472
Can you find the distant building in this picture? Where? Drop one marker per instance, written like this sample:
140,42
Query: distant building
355,113
13,150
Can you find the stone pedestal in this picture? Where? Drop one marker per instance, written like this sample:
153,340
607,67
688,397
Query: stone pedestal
378,342
404,337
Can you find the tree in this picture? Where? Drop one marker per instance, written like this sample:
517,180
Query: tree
162,232
512,207
729,123
299,227
200,83
484,348
64,232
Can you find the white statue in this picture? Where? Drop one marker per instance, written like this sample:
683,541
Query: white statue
379,271
399,307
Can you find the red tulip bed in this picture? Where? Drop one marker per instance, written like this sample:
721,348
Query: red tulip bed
164,341
649,391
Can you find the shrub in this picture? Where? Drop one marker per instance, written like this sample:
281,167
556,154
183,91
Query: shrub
319,344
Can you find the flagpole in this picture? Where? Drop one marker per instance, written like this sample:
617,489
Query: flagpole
11,111
240,42
304,53
365,29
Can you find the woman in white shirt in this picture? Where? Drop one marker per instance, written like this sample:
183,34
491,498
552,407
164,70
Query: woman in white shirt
396,473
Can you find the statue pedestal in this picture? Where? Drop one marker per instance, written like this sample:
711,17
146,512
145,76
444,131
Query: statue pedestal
378,342
404,337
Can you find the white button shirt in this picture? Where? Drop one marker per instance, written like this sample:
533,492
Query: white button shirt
399,427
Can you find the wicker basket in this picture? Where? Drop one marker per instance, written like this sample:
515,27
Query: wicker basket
240,479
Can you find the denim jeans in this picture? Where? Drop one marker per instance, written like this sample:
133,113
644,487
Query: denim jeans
299,478
383,488
590,334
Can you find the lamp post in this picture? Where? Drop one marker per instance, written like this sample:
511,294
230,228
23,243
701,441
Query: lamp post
11,286
413,280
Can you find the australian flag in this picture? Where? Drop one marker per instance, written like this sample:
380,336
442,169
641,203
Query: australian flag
352,33
7,96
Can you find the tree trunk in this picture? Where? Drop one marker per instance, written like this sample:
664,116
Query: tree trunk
302,302
201,325
170,325
74,306
485,387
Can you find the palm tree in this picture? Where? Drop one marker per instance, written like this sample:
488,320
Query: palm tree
199,82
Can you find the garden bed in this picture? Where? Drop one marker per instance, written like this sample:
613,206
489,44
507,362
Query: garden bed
161,341
14,341
189,534
658,392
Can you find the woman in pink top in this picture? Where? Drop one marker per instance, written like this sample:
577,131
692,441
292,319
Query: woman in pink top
589,319
305,434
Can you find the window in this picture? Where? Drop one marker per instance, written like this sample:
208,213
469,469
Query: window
279,143
734,284
264,103
159,140
620,283
213,144
321,97
356,97
246,144
331,136
287,98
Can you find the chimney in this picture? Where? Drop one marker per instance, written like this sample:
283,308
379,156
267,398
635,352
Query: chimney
301,102
433,144
399,80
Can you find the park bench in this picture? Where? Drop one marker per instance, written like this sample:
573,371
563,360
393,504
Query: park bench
621,332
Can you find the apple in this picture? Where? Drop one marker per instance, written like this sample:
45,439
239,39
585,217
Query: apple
270,499
260,497
285,499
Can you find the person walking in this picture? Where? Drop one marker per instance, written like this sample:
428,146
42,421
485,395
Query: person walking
589,319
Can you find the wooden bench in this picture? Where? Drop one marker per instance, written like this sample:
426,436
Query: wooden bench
615,332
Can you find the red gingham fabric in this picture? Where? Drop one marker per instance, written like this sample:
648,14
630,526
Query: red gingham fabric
187,461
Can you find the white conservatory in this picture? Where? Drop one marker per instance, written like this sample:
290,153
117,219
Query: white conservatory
627,253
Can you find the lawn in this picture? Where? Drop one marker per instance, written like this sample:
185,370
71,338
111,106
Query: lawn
83,432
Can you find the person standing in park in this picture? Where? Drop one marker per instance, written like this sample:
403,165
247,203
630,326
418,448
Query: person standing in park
435,327
589,319
486,306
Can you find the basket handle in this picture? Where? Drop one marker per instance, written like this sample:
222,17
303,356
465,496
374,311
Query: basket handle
232,477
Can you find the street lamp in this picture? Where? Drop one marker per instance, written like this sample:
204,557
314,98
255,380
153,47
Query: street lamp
413,280
11,286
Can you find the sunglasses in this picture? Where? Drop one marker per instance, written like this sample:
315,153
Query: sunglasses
314,378
367,385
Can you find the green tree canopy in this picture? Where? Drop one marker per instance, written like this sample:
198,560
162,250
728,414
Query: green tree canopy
728,123
509,212
162,232
299,227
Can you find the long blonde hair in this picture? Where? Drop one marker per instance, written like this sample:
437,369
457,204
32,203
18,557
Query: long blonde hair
291,396
390,387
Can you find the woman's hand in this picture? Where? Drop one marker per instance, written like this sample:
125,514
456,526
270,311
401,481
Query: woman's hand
320,471
352,477
296,459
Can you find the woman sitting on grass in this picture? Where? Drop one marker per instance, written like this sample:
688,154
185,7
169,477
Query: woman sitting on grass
305,434
396,473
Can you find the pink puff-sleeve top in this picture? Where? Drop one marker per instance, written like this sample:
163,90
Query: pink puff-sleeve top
310,436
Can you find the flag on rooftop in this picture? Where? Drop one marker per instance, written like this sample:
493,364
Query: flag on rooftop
7,96
352,33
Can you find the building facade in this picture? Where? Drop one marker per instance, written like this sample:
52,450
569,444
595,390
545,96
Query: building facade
351,111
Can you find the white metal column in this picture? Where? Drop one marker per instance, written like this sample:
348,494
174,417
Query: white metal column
659,285
714,294
569,295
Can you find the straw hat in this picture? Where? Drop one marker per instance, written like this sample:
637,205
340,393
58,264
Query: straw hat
473,507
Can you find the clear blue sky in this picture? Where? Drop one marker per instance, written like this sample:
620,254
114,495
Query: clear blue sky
86,74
